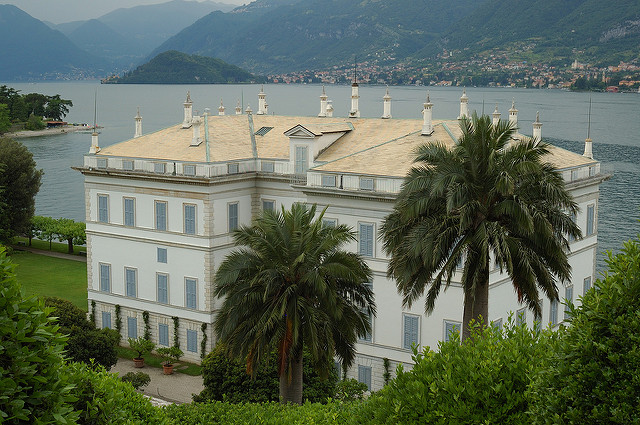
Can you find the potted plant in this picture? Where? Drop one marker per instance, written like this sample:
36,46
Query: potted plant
141,346
170,355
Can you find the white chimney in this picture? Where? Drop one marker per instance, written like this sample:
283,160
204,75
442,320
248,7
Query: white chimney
94,142
464,105
513,114
188,112
323,103
537,128
496,116
329,109
196,139
386,101
262,103
138,119
427,112
248,110
354,112
221,109
238,108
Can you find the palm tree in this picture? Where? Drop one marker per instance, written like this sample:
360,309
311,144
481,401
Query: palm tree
290,287
488,198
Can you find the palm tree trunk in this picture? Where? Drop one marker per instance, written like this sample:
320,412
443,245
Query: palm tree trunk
476,305
291,390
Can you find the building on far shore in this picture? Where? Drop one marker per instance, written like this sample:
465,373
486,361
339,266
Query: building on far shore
160,209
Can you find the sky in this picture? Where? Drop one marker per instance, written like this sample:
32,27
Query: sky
59,11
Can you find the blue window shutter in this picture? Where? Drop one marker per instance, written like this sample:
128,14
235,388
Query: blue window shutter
106,320
163,290
131,282
105,277
192,341
163,334
162,255
132,327
129,212
161,216
190,219
191,293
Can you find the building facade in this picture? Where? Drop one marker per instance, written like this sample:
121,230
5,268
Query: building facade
160,209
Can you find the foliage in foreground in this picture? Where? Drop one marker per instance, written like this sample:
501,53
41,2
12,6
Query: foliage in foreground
33,388
263,413
482,380
592,376
228,380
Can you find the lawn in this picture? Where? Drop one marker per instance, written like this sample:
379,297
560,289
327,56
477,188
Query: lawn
50,246
153,360
55,277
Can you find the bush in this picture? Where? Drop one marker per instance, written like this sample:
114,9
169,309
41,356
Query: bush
32,386
226,379
85,342
35,123
141,346
592,377
263,413
480,381
138,380
102,398
350,390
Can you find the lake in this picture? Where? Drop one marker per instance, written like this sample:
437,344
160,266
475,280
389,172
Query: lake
615,130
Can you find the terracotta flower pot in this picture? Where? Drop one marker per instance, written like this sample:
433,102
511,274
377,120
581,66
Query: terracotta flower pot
167,369
138,362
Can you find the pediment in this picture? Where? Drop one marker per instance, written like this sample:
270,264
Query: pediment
301,132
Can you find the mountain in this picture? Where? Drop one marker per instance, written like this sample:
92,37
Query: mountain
310,34
33,51
174,67
95,36
551,30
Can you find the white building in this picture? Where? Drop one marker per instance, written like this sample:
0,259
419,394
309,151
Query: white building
160,208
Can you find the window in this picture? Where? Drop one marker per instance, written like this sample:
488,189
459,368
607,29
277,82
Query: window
127,165
190,219
521,316
268,205
129,212
192,340
366,183
592,171
189,170
103,208
233,217
130,279
364,375
163,334
574,175
162,281
410,331
161,215
329,222
553,313
263,130
568,298
451,328
497,323
368,337
132,327
268,166
106,320
190,286
573,218
590,219
365,240
102,163
328,181
233,169
159,167
301,160
162,255
105,277
586,285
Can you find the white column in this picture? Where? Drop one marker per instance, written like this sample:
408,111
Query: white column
588,148
513,114
427,126
94,142
238,108
537,127
496,116
138,119
196,140
221,108
386,114
323,104
464,105
354,112
262,103
329,109
188,112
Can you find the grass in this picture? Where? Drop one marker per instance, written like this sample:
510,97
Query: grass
44,245
156,361
54,277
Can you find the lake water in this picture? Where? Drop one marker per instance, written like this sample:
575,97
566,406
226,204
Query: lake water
615,130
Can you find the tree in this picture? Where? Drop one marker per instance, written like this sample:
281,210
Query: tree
33,384
20,181
487,198
5,122
592,374
57,108
288,287
70,231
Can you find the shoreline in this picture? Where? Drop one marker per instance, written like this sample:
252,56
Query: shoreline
47,131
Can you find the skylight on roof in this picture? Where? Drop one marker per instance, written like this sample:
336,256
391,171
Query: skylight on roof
263,130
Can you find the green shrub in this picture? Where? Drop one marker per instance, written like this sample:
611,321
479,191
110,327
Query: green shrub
138,380
85,342
32,386
350,390
141,346
222,413
482,381
102,398
226,379
35,123
593,376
